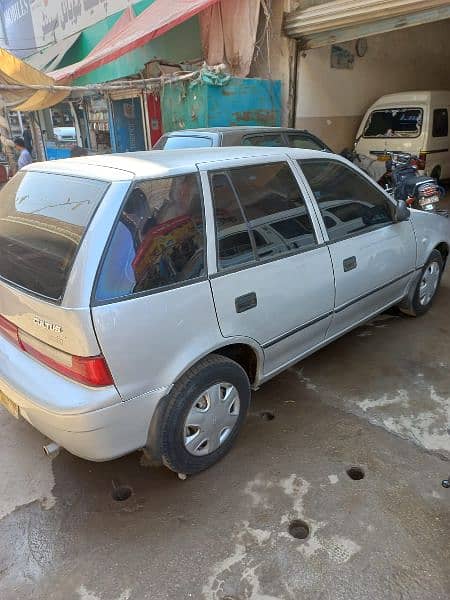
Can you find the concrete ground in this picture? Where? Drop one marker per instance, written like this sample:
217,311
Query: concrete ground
379,399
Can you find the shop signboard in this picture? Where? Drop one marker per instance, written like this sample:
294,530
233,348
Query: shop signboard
17,22
30,24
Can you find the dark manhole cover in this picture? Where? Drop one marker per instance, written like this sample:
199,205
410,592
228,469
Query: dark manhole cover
299,529
267,415
120,493
355,473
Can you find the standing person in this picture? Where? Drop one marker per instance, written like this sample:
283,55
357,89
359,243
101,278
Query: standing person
24,157
28,139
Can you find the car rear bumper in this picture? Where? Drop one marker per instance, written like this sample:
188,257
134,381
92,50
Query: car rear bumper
92,423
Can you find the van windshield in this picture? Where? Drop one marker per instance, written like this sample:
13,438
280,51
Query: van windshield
42,221
394,123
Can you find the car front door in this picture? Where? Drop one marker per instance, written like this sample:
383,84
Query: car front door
374,257
271,277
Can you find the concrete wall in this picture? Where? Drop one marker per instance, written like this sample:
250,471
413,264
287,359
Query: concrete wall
331,102
274,52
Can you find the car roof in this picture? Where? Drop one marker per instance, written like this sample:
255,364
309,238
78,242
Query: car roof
410,97
234,129
157,163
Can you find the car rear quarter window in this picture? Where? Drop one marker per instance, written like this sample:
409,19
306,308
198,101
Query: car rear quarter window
298,140
262,207
349,204
234,245
43,217
177,142
158,241
267,140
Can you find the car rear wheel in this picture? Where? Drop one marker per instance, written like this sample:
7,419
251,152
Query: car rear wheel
204,414
427,285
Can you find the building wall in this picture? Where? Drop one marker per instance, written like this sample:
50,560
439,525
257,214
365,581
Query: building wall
273,60
331,102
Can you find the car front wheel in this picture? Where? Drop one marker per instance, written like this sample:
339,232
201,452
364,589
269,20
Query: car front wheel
204,414
427,285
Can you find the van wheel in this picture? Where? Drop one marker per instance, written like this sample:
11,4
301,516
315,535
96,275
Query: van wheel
204,414
427,286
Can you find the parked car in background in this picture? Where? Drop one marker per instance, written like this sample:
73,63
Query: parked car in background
143,301
64,134
240,136
409,122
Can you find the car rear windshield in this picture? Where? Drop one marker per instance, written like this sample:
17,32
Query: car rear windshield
42,220
177,142
394,123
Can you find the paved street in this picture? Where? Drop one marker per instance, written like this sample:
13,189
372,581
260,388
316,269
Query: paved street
377,399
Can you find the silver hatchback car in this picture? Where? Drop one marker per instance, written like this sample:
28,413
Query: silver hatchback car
142,296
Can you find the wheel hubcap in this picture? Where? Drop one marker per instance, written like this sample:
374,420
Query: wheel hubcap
429,283
211,419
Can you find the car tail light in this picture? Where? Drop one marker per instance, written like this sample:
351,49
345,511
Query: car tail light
92,370
9,330
422,162
428,190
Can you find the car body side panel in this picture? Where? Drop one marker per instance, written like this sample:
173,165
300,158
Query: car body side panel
148,341
294,296
385,263
430,230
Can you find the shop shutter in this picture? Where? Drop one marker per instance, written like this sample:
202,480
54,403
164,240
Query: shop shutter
345,20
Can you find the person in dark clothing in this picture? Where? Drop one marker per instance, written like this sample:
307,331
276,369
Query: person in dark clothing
28,139
24,156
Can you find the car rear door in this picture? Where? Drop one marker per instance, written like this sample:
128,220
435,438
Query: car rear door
373,257
275,283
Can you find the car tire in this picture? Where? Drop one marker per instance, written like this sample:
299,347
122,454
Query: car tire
427,286
204,414
436,173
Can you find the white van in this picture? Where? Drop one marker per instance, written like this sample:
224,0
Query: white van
414,122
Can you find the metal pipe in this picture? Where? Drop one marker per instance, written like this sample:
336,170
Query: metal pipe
293,85
52,449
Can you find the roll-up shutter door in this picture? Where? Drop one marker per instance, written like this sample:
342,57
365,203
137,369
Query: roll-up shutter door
344,20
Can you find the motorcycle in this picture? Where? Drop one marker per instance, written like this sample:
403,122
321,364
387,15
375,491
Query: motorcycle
374,168
403,181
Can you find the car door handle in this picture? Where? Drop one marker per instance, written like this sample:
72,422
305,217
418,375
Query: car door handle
245,302
349,263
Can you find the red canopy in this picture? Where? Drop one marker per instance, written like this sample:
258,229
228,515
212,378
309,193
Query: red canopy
130,33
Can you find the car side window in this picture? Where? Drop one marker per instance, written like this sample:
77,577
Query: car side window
265,212
159,239
299,140
268,140
440,122
349,204
234,245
